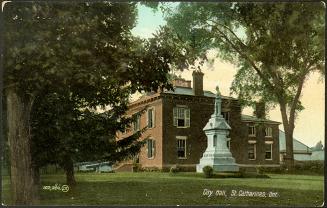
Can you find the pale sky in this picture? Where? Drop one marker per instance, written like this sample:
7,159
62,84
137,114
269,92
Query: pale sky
309,126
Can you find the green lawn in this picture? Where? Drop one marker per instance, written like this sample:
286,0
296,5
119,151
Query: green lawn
155,188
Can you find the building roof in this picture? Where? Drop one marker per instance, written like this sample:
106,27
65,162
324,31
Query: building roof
255,119
189,91
298,147
318,155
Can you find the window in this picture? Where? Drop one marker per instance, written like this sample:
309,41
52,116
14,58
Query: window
215,140
226,116
150,118
150,148
251,151
268,132
136,123
181,147
251,131
268,150
181,117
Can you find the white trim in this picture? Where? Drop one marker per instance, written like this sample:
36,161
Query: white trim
181,106
268,132
185,111
185,148
153,143
271,147
153,117
254,151
252,141
228,116
254,131
137,123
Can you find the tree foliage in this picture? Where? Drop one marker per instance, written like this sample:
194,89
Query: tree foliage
62,61
274,45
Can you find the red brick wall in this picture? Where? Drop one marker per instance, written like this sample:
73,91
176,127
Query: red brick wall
201,108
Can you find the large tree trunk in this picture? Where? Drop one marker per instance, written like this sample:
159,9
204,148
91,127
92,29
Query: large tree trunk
24,190
69,169
288,128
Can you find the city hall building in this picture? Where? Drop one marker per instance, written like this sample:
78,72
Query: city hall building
175,122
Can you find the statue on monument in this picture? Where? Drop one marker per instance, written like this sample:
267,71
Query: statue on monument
217,155
218,91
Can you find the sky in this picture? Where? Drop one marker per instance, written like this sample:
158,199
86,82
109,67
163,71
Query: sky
309,126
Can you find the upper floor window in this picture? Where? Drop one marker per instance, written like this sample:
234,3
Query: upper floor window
268,150
252,130
251,151
150,117
268,132
181,117
226,116
181,147
150,143
136,123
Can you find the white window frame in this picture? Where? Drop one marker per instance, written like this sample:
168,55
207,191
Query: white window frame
252,134
184,138
153,118
137,123
271,149
153,148
178,113
254,143
268,131
226,114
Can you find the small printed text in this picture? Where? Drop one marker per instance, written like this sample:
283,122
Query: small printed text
238,193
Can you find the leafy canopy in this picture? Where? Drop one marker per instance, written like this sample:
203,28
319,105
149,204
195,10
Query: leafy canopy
274,45
71,58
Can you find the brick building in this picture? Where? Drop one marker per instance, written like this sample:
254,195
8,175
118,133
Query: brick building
175,120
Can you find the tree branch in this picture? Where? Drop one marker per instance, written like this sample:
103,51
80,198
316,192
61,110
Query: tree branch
239,51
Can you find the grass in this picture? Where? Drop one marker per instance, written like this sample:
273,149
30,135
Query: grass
156,188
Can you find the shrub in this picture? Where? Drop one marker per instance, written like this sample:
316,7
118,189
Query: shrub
150,169
174,169
260,169
313,166
208,171
137,167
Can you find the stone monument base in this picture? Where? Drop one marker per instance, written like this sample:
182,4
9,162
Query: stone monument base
219,164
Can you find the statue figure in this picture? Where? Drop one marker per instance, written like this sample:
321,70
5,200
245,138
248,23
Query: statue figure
218,91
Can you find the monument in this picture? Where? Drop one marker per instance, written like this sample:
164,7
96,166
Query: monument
217,155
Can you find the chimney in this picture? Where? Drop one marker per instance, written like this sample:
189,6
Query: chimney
197,83
260,109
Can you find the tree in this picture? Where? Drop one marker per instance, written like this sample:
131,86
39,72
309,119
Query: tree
275,46
82,51
63,134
